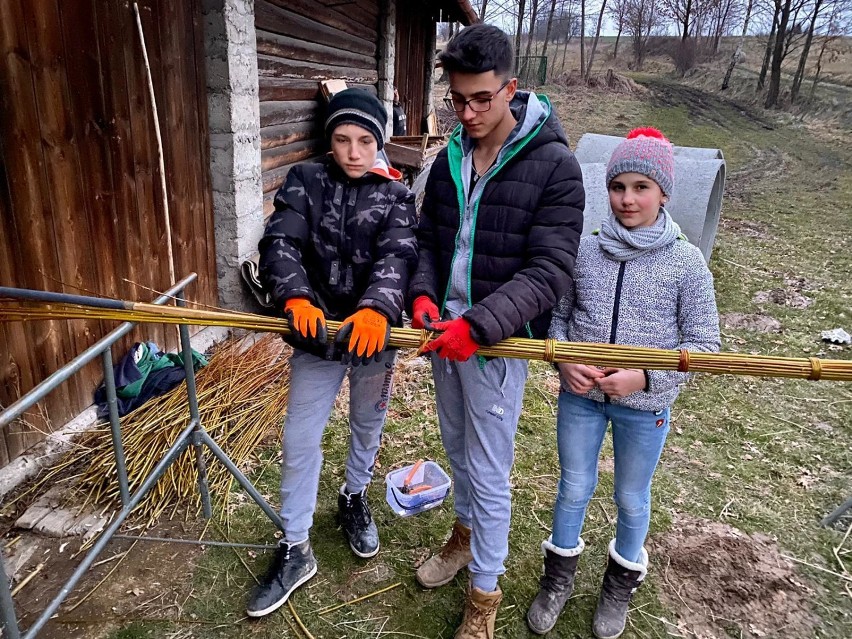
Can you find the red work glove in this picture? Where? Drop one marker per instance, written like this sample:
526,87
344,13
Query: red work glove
424,311
306,321
368,332
455,342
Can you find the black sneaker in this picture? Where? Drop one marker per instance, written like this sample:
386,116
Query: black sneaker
353,515
293,565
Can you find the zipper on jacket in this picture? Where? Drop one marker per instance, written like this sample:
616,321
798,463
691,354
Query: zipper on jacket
616,303
454,161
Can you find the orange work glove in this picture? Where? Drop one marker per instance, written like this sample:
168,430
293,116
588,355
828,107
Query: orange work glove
424,311
368,332
455,342
306,321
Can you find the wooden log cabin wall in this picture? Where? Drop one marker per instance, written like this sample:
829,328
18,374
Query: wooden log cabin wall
300,43
80,201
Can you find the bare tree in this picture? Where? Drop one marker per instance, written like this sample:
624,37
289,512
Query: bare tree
788,9
770,44
838,24
565,27
595,41
533,19
617,11
739,51
520,30
483,7
784,9
682,12
642,18
818,7
582,36
720,16
550,15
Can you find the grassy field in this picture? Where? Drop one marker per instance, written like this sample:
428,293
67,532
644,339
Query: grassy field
767,457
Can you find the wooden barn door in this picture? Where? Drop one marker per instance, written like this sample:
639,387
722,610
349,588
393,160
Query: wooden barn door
414,27
80,199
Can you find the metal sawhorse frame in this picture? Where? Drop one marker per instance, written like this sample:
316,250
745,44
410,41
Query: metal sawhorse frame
194,435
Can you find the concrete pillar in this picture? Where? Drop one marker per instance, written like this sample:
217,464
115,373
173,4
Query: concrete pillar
386,55
234,119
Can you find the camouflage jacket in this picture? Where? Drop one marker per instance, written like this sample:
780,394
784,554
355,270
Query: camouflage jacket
344,244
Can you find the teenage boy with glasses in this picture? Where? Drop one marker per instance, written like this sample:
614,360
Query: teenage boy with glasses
498,234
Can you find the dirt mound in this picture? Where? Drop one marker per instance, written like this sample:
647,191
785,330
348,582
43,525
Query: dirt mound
747,228
788,295
722,581
610,81
751,322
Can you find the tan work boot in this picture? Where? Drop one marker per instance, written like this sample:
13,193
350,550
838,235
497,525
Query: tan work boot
441,567
480,613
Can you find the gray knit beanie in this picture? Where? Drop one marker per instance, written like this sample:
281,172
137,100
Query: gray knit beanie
645,151
357,106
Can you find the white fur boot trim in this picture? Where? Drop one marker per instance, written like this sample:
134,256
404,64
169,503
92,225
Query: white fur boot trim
547,544
641,565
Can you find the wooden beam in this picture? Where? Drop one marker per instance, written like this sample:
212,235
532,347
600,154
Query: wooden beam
290,153
278,68
281,46
278,19
272,113
338,19
279,135
283,89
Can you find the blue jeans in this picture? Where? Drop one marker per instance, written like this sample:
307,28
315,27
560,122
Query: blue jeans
637,437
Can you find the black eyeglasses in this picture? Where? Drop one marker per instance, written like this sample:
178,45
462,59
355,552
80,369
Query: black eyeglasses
477,105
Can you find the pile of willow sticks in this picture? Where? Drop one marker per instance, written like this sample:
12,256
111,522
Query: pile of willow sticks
242,396
614,355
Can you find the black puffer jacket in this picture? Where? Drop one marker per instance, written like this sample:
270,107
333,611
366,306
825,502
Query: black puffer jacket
528,222
343,244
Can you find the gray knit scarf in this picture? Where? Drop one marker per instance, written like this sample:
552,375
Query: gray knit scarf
623,244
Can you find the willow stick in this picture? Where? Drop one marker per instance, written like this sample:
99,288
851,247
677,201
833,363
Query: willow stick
614,355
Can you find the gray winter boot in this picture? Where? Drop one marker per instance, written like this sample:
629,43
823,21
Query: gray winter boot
620,581
557,584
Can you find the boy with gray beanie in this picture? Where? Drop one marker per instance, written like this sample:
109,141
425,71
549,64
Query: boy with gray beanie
637,282
340,246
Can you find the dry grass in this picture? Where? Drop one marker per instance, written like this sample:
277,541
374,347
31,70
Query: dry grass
241,395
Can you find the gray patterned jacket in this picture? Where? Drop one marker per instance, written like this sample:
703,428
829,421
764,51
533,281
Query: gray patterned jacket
344,244
662,299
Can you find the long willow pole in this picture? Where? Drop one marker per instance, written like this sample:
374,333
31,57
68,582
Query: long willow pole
44,305
160,156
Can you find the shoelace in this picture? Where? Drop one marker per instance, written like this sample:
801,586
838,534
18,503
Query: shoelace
479,617
281,559
454,543
358,515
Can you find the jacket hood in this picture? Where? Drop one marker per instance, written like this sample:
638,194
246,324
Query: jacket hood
532,112
381,172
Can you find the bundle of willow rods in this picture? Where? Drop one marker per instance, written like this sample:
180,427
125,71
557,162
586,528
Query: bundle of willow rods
614,355
242,395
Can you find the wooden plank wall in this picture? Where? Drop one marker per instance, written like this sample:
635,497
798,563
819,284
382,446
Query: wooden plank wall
299,43
80,200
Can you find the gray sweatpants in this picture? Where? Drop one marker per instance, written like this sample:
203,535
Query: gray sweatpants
478,412
314,384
